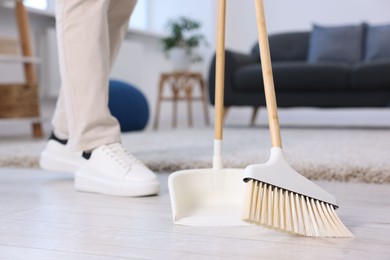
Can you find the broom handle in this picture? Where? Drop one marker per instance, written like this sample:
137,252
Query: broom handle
219,85
220,70
269,88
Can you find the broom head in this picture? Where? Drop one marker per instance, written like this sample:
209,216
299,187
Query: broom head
280,198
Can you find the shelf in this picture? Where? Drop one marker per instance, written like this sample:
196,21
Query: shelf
20,100
15,84
19,59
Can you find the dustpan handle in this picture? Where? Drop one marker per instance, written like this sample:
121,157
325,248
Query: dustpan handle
269,88
220,70
219,85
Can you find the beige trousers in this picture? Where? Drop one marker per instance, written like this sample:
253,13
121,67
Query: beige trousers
89,35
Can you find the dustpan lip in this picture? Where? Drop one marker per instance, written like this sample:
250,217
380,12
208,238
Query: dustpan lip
186,171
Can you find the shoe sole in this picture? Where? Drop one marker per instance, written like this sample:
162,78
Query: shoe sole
53,163
86,180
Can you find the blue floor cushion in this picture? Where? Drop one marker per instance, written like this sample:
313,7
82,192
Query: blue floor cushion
128,105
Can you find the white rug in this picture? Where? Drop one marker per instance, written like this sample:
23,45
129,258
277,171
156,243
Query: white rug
361,155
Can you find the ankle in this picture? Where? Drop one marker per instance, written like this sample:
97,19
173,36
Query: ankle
55,137
60,134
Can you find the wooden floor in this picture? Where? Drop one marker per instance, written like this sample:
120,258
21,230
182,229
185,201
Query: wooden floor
42,217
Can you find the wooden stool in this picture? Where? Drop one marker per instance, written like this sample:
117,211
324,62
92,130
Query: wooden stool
181,82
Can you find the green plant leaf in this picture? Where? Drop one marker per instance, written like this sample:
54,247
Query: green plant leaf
184,33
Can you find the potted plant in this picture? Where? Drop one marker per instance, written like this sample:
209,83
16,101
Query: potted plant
183,39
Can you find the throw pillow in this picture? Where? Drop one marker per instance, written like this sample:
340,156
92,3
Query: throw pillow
336,44
377,43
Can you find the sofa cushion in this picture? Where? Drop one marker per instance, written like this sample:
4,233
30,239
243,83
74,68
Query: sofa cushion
286,46
371,76
291,76
336,44
377,43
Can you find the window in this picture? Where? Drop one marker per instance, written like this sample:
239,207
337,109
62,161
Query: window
139,18
39,4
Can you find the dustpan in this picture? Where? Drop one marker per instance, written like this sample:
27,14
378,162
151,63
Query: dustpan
210,197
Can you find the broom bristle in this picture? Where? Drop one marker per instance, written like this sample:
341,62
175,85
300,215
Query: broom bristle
290,212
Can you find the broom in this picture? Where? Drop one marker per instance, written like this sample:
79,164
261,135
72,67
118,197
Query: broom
276,195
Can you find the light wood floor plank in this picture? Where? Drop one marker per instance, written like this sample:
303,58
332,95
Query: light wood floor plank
22,253
42,216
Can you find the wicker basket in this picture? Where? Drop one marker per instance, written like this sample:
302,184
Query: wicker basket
17,100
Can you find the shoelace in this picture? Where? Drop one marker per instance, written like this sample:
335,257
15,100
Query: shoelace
122,156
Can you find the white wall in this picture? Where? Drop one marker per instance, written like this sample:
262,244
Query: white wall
291,15
281,15
302,13
141,60
202,10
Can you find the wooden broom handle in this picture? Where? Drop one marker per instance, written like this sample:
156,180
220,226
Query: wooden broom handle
220,70
269,88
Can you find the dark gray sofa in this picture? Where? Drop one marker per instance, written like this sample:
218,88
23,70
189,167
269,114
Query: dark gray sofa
298,83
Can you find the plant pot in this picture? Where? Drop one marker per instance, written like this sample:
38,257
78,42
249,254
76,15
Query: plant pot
180,59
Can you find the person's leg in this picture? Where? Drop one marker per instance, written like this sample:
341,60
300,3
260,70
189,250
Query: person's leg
86,58
110,169
57,155
118,18
84,53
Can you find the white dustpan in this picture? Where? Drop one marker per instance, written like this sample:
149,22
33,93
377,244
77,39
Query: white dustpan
207,197
210,197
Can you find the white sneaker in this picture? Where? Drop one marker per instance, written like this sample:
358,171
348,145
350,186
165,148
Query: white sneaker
112,170
58,157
